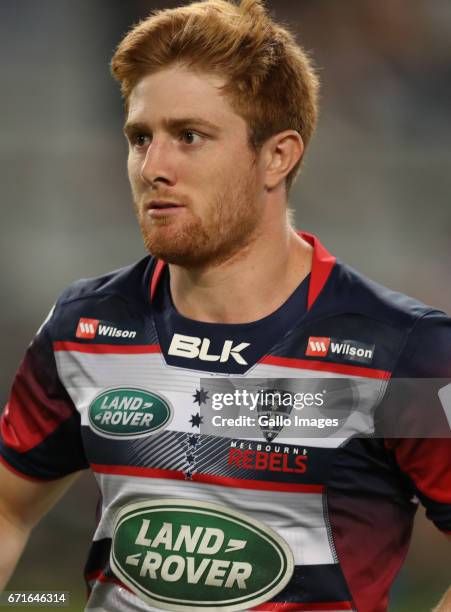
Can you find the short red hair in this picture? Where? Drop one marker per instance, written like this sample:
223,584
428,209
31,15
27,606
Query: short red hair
269,78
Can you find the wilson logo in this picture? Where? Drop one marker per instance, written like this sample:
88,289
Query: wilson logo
183,555
90,328
87,328
343,350
192,347
129,413
317,346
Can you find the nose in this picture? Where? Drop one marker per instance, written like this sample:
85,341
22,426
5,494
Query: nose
157,167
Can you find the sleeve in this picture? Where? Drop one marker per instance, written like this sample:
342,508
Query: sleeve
40,434
423,376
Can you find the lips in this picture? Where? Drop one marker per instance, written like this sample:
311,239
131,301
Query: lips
162,205
162,209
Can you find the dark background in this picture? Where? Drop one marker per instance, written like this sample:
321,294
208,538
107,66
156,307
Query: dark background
375,186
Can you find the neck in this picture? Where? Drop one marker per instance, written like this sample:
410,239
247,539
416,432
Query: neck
250,285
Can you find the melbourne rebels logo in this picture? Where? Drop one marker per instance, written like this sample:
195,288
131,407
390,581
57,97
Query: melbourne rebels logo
275,410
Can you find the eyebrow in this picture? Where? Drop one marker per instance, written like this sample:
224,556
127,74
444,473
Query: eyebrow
131,127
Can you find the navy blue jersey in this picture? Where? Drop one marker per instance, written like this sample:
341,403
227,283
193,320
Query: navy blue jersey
115,381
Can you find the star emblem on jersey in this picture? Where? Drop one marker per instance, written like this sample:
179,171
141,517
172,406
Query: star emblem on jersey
201,396
196,420
190,468
191,460
275,412
194,440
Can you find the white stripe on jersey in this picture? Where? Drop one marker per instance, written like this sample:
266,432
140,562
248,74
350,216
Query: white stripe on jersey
85,375
106,597
297,517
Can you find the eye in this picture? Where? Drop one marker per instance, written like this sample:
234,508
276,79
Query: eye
189,137
139,140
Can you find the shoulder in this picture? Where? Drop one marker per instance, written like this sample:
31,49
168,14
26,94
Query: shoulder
426,348
116,296
129,282
412,338
427,352
354,292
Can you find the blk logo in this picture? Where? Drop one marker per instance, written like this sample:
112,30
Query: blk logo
87,328
317,346
192,347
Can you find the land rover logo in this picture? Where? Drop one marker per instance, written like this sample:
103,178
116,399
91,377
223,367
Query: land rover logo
128,413
183,555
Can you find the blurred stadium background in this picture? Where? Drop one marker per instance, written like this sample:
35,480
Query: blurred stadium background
375,186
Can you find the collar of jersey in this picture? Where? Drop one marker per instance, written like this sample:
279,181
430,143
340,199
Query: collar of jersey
322,264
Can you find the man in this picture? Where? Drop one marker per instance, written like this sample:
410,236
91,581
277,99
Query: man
220,105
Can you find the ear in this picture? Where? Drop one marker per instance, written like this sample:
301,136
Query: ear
281,153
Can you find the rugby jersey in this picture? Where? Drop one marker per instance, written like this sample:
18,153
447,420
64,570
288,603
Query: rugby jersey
116,380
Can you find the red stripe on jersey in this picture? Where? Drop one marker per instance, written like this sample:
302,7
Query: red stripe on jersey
300,607
322,265
133,470
266,607
113,349
156,277
261,485
224,481
33,411
93,575
102,578
325,366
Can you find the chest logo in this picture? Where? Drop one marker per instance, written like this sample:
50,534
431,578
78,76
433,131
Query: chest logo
192,347
129,413
341,350
88,329
184,555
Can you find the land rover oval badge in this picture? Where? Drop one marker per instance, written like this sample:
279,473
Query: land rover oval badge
184,555
127,412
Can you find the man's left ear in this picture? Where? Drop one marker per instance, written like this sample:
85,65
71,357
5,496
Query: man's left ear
283,151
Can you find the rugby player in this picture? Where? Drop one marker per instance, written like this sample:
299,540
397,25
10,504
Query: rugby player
221,103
